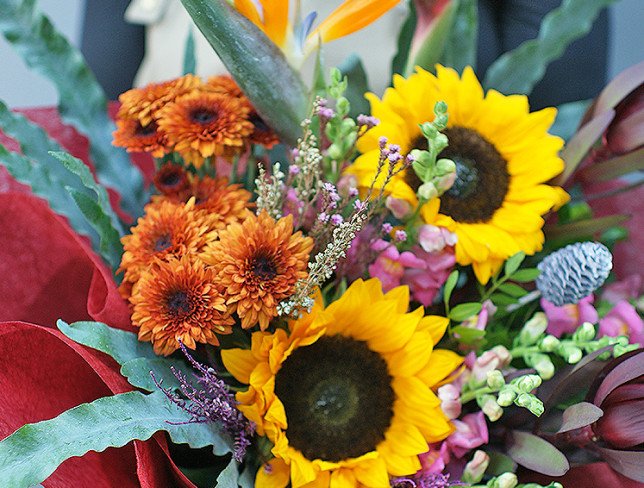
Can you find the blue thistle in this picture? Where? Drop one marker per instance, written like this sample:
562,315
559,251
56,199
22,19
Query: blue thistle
574,272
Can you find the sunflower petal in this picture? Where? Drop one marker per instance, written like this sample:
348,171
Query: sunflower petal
240,363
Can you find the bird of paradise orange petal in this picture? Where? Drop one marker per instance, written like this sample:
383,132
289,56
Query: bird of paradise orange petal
297,43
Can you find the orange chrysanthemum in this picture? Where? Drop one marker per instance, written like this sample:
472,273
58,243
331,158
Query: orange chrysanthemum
166,230
203,124
217,202
224,85
177,300
135,137
144,103
171,179
262,133
258,263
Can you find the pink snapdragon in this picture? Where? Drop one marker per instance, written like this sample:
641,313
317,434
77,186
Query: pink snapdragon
390,265
566,319
623,319
624,289
424,282
470,432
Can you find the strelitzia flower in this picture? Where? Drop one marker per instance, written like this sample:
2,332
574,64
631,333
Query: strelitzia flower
299,39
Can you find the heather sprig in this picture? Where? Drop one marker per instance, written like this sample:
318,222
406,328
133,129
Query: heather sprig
213,402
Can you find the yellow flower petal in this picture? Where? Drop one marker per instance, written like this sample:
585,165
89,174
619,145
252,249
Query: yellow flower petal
274,474
239,363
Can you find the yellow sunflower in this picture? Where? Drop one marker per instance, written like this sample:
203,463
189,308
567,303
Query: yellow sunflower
503,154
346,395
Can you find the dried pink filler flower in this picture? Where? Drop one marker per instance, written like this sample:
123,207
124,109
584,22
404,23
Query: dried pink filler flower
566,319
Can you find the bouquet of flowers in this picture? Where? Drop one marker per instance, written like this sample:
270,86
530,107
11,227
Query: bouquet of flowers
280,290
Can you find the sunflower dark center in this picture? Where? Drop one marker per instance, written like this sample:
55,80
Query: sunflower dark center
482,178
263,267
203,116
163,242
338,398
179,303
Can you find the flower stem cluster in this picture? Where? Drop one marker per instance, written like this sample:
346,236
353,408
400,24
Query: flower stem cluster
534,346
270,191
436,175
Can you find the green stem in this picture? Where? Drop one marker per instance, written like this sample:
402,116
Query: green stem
471,395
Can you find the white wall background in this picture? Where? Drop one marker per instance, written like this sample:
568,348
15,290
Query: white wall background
19,87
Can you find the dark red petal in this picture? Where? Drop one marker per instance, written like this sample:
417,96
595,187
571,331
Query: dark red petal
49,272
44,373
622,425
628,392
42,377
619,371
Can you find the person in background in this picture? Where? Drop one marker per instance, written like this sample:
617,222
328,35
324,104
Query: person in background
113,45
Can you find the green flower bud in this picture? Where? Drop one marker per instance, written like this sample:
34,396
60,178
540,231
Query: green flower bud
491,408
533,329
507,396
445,166
495,379
584,333
549,343
618,350
427,191
440,108
527,383
543,364
342,106
570,353
475,469
334,152
523,400
428,130
506,480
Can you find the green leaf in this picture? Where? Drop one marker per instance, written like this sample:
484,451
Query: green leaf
578,146
405,37
229,477
512,290
464,311
46,180
353,69
536,454
580,415
467,334
452,279
615,167
110,246
274,88
526,275
500,299
431,49
33,452
137,359
39,177
584,228
81,99
513,263
569,116
189,59
460,46
519,70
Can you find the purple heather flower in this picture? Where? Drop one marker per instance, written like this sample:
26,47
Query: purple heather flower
387,227
353,192
382,142
323,217
422,480
293,169
367,120
566,319
336,219
359,205
212,401
400,236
